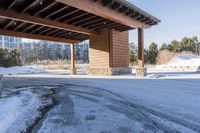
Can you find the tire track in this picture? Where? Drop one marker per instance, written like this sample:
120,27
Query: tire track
145,111
60,116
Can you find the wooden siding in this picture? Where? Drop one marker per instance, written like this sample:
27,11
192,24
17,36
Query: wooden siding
99,50
120,49
109,49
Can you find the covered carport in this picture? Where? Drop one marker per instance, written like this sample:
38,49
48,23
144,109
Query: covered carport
104,22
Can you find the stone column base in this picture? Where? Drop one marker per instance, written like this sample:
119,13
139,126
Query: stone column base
73,71
110,71
141,72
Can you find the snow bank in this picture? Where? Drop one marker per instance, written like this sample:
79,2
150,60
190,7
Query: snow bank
21,107
183,62
19,70
13,108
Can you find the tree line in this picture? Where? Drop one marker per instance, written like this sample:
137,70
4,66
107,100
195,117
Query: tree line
152,53
33,52
10,58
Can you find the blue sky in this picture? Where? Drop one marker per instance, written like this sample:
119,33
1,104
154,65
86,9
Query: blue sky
179,18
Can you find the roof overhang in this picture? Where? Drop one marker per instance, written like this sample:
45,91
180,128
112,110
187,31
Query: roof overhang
69,21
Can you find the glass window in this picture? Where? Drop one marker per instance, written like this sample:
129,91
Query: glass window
11,39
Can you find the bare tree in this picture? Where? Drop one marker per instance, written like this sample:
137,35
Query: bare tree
164,56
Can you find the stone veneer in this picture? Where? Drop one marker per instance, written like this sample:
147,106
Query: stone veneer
141,72
110,71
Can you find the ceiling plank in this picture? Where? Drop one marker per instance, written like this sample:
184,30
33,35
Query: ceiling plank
34,36
44,22
105,12
11,4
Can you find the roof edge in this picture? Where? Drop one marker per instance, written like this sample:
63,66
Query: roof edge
132,6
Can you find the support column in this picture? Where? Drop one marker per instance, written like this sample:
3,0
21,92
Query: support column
73,67
141,71
109,53
1,81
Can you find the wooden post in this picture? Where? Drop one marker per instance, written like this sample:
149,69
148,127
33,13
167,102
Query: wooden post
73,67
141,71
140,48
1,81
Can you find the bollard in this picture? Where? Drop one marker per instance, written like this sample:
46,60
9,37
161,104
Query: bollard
1,81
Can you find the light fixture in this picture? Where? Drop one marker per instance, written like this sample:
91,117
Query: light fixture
104,22
41,2
14,22
70,33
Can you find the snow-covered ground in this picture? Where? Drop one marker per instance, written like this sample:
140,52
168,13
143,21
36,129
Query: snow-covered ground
35,70
119,104
19,109
182,62
164,101
19,70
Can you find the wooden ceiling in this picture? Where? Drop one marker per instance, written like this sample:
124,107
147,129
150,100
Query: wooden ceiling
55,20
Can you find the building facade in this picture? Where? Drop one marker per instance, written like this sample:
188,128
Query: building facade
9,42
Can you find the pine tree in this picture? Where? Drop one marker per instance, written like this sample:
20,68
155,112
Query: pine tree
152,53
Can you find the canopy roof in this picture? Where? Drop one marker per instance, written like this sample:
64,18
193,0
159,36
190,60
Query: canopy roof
69,21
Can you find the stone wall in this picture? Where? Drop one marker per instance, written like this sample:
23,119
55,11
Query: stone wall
109,71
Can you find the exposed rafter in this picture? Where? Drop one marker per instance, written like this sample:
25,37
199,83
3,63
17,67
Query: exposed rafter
43,22
34,36
108,13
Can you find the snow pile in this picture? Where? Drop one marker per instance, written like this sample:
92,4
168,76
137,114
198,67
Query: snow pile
183,62
17,108
19,70
20,108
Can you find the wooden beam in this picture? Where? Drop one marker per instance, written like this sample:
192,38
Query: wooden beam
44,31
34,36
37,29
57,11
44,22
44,8
104,25
93,22
78,16
67,14
105,12
11,4
84,20
8,24
69,35
73,67
140,47
59,33
53,31
27,5
27,28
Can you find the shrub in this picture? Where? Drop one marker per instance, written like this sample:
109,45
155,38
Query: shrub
10,58
164,56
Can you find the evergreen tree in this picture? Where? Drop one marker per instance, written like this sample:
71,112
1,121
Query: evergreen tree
152,53
133,54
66,53
170,48
187,44
176,46
164,46
9,59
58,52
196,45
